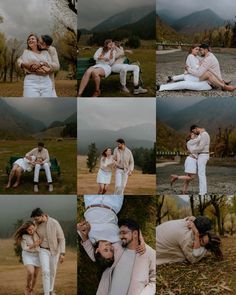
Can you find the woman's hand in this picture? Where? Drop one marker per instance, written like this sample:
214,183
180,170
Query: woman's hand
141,249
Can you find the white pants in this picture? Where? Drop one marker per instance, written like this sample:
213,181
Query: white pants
54,94
188,85
201,164
121,181
44,166
49,268
36,86
115,202
185,77
123,69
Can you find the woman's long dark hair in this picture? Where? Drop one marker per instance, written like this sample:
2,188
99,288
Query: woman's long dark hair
22,230
214,246
106,42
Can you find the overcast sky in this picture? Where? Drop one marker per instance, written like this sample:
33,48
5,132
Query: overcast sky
225,9
46,110
115,113
92,12
21,17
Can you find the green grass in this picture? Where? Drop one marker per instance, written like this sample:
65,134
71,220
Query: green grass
64,151
110,86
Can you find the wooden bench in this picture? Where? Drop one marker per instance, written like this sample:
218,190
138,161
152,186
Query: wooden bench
55,167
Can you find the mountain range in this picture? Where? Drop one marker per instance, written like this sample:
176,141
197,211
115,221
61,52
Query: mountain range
142,135
198,21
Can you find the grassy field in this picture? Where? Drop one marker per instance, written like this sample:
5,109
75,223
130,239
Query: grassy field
64,88
207,277
138,183
64,151
13,275
110,86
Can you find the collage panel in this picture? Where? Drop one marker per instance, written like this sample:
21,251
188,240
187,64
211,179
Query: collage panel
38,245
195,48
116,244
116,146
196,247
196,145
38,48
38,146
117,48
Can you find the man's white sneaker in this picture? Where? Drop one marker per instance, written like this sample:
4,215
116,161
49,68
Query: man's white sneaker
140,90
50,187
124,89
36,189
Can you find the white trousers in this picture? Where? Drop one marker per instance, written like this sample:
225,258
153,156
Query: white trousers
36,86
49,268
123,69
121,181
185,77
188,85
44,166
201,165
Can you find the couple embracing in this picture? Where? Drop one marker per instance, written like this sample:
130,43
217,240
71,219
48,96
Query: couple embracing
198,145
122,161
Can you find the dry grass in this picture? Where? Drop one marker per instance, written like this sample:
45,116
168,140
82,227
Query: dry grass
138,183
207,277
13,275
64,88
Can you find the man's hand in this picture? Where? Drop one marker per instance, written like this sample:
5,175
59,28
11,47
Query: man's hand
192,226
62,258
83,227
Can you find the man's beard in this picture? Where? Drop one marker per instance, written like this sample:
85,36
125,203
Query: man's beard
125,243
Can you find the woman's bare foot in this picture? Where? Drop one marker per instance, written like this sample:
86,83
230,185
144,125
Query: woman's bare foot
173,179
8,185
15,184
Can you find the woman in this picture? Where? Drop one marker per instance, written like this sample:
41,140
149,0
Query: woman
101,228
36,64
190,165
27,237
104,58
19,166
107,162
186,80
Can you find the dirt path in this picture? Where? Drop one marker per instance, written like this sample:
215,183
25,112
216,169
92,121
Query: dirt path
173,63
220,180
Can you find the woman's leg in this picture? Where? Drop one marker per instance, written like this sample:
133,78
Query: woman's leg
187,181
85,80
29,278
36,272
11,175
97,74
100,188
105,188
18,176
215,81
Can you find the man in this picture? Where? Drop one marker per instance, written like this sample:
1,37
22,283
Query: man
52,248
176,240
210,69
203,156
131,273
120,67
45,43
124,166
42,162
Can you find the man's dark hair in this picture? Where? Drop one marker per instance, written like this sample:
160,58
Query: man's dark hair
203,224
47,39
193,127
37,212
120,140
204,46
130,223
41,144
102,262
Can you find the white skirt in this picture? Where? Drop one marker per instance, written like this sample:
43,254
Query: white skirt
105,67
104,177
30,258
23,164
190,165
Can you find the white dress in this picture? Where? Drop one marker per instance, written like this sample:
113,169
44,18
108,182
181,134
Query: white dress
190,165
105,65
105,170
30,256
24,164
